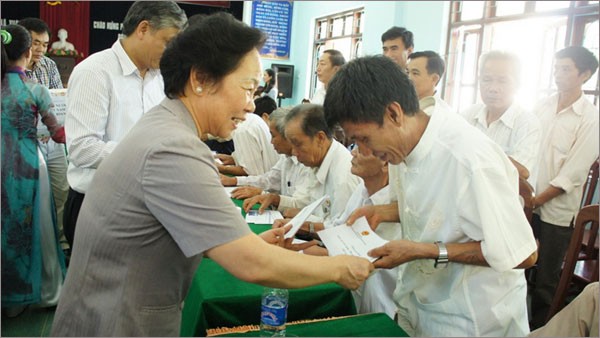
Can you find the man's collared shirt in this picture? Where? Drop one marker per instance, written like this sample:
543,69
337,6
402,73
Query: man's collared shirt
106,97
569,147
517,131
45,73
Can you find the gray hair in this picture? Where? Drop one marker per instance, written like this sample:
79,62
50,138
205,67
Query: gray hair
160,14
503,56
278,118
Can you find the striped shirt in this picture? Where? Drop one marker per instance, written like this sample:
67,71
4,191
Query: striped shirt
106,97
45,73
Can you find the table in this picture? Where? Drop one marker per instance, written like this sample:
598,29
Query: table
218,299
368,325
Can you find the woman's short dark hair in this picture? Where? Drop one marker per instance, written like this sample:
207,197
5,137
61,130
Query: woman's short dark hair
312,119
160,14
20,42
363,88
213,47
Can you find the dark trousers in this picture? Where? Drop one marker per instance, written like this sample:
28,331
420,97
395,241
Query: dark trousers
72,206
554,241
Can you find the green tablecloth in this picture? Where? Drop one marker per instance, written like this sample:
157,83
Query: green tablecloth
370,325
218,299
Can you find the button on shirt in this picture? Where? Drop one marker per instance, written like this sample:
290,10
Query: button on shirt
105,98
253,149
283,178
517,131
458,186
569,147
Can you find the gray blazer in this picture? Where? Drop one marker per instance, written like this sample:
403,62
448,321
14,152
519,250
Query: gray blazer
155,206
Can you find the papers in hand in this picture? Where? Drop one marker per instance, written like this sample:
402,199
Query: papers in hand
267,217
355,240
302,216
59,109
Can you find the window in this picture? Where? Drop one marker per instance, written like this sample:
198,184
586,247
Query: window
533,30
341,31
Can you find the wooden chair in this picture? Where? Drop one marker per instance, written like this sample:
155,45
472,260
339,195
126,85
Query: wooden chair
585,271
589,249
589,188
527,194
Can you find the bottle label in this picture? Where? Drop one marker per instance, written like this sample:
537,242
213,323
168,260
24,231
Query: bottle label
273,315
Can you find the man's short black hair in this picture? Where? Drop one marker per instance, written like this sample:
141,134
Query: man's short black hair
581,56
35,25
399,32
264,104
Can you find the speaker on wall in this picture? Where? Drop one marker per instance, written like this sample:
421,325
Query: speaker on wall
285,79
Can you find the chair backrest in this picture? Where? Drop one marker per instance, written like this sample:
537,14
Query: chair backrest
587,214
589,188
527,194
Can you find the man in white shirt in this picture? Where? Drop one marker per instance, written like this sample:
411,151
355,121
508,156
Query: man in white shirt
569,147
329,63
425,70
397,44
254,154
314,146
109,92
464,234
516,130
284,177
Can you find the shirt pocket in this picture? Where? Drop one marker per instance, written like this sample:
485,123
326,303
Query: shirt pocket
444,318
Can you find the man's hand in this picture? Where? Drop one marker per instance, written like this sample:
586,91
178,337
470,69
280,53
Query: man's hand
368,212
280,222
226,159
228,181
265,201
245,192
397,252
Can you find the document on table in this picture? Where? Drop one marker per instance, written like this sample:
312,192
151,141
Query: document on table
303,215
267,217
229,190
355,240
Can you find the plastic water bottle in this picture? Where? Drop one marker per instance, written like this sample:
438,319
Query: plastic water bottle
273,313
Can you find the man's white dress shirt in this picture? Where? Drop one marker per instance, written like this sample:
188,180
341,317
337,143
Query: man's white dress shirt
569,147
105,98
458,186
283,178
333,178
253,149
517,131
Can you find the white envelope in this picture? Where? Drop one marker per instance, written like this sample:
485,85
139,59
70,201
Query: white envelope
303,215
355,240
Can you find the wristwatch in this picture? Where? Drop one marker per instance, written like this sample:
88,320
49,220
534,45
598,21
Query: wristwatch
442,259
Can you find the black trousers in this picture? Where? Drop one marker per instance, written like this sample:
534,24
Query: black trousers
71,212
554,241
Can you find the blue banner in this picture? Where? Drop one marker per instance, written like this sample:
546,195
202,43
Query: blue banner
275,19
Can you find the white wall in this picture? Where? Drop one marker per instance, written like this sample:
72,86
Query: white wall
428,20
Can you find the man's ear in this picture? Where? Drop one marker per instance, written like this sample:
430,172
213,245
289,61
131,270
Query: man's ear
266,117
394,113
142,28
